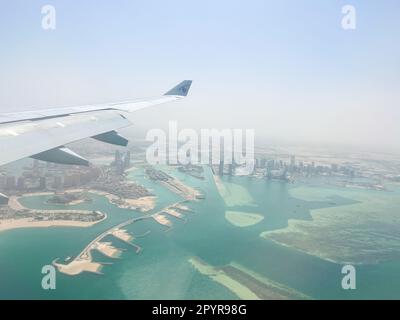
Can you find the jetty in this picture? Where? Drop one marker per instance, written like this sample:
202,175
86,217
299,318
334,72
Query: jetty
84,260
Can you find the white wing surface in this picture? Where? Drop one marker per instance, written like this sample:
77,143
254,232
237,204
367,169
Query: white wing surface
43,134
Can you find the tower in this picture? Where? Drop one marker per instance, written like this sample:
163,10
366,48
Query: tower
127,160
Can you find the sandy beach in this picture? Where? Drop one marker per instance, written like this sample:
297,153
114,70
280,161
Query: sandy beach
30,223
161,219
186,192
174,213
144,203
122,235
33,194
243,219
182,207
8,224
107,249
220,186
13,203
222,278
78,266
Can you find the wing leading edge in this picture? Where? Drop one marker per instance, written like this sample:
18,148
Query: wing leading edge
42,134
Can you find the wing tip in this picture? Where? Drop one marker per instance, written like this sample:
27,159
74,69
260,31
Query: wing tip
182,89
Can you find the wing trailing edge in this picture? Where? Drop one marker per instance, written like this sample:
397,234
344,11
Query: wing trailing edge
42,134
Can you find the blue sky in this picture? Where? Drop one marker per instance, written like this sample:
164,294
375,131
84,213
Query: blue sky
285,68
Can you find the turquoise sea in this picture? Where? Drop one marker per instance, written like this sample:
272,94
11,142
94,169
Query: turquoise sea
162,270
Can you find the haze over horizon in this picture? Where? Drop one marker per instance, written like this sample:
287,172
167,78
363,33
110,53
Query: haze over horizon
286,69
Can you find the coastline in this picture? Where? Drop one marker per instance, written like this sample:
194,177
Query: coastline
78,266
218,183
15,204
83,262
233,194
143,204
328,235
265,236
186,192
243,219
219,276
11,224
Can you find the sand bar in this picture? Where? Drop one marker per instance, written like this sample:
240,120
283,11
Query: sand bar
221,277
243,219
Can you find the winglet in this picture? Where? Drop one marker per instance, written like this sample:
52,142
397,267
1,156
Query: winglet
181,89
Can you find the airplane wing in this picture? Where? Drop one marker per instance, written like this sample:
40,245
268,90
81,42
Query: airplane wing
43,134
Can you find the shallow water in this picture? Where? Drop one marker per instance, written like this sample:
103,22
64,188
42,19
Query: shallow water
162,270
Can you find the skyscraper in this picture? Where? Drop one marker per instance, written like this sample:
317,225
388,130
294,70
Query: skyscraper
127,160
221,168
21,183
42,183
230,169
35,164
293,161
119,167
57,182
11,183
263,163
117,156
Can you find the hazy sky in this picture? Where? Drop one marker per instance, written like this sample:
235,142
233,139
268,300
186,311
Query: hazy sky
284,68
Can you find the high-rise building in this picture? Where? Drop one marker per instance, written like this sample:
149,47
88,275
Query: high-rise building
230,169
210,152
21,183
42,183
120,162
3,179
263,163
35,164
57,182
71,180
221,168
127,160
119,167
117,156
11,183
271,165
293,161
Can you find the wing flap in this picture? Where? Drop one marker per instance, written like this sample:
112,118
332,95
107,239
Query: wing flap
25,134
29,138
